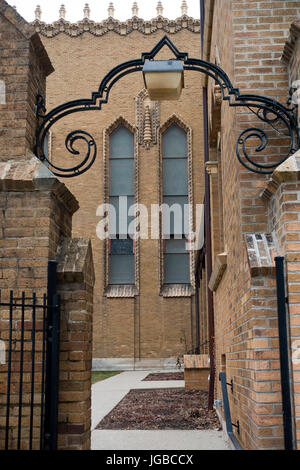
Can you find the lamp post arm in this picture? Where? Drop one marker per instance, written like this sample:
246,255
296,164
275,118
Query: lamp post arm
269,112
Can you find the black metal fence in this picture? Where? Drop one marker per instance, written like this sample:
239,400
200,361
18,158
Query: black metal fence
29,331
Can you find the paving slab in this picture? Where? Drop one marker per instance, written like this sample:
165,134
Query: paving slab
158,440
108,393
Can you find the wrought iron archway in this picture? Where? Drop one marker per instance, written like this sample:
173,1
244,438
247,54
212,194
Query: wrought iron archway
268,111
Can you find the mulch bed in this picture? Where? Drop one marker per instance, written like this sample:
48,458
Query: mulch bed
164,376
170,408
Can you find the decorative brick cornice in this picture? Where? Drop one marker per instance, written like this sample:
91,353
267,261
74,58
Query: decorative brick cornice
122,28
118,291
177,290
290,43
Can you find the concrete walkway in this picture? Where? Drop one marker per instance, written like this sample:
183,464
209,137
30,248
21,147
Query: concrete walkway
108,393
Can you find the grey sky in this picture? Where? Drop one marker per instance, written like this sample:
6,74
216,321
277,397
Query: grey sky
147,9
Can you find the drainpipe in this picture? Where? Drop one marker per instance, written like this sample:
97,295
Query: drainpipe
197,284
197,318
210,303
202,22
227,413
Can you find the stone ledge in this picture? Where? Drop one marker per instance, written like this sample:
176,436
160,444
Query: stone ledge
30,174
75,261
218,271
288,171
177,290
290,43
212,167
123,290
261,252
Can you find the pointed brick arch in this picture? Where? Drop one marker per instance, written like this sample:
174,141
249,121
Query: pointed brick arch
175,119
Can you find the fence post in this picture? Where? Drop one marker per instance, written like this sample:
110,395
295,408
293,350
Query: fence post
52,361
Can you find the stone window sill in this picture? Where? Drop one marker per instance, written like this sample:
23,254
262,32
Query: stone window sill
218,271
177,290
121,290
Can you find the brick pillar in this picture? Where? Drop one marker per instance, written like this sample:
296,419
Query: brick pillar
283,197
36,225
75,285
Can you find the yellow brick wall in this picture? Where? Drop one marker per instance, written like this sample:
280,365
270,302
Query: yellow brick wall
148,326
249,49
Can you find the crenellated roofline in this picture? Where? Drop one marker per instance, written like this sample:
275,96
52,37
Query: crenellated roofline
123,28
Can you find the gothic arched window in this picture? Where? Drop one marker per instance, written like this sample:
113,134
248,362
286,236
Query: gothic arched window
121,266
176,259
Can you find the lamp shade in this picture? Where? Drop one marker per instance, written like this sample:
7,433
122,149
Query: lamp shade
164,79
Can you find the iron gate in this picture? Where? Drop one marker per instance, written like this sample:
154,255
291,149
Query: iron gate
29,335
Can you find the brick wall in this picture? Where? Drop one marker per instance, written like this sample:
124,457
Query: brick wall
36,218
282,196
147,328
75,286
290,54
36,226
249,50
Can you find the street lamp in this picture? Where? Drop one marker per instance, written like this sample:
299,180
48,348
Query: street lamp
164,79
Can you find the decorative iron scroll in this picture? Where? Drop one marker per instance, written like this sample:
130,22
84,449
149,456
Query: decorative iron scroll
282,120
